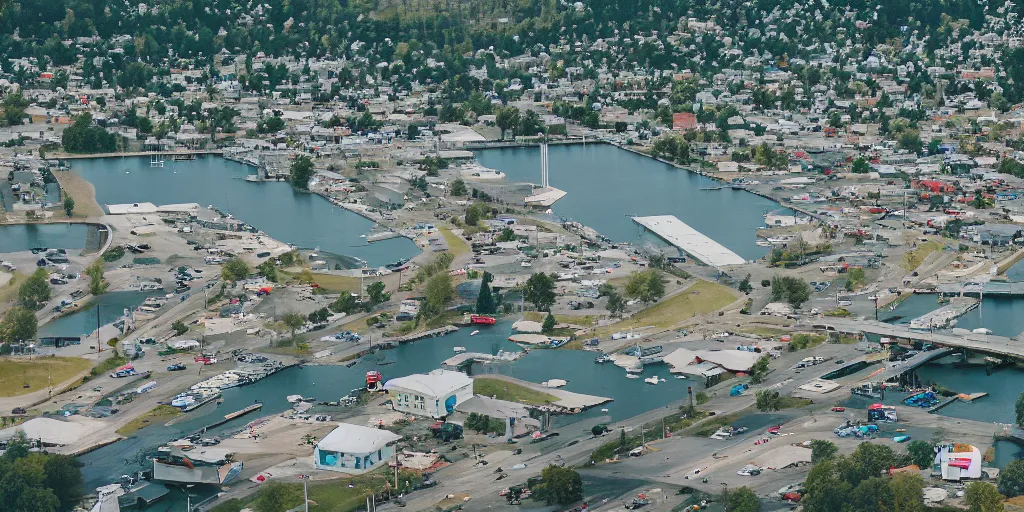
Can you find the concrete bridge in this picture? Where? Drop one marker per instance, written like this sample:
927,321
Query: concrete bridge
987,343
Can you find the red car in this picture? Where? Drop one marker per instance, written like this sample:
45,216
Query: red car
792,497
775,430
838,409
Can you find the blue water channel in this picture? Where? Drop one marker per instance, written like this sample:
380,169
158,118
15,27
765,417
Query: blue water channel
606,185
999,314
82,322
303,219
22,237
328,383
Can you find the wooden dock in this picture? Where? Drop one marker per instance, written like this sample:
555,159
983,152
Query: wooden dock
963,397
440,331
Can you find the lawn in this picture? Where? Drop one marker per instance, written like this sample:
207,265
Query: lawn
913,259
330,282
583,320
510,391
456,245
9,291
342,495
700,298
159,414
38,373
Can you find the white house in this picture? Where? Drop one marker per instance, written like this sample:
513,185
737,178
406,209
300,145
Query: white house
354,449
434,394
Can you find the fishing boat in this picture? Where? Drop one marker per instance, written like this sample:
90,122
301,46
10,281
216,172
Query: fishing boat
651,380
482,320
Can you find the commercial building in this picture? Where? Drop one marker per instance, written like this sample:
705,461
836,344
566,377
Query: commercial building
354,449
956,461
435,394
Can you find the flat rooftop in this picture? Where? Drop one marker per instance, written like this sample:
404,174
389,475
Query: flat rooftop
693,242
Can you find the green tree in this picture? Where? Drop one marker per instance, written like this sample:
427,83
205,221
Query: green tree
13,107
97,284
507,118
921,453
1011,479
506,235
983,497
861,166
19,325
743,500
485,300
439,293
907,492
69,205
616,303
475,213
826,490
745,285
768,400
540,290
35,291
376,293
345,303
647,286
179,327
293,321
873,494
301,172
559,485
64,478
759,372
549,324
1020,411
459,187
267,269
235,269
822,449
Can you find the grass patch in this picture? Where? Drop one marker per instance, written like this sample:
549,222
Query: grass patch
108,364
456,244
159,414
583,320
711,426
333,496
510,391
330,282
764,332
700,298
838,312
791,402
803,341
9,292
913,259
37,373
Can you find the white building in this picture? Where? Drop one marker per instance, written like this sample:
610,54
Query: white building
354,449
434,394
956,461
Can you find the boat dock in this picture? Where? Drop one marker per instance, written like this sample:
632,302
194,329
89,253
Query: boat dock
968,397
691,241
237,414
945,316
976,289
465,359
440,331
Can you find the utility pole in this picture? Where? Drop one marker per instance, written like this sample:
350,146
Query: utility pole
99,347
305,491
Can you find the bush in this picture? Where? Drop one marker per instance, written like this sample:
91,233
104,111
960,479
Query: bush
113,254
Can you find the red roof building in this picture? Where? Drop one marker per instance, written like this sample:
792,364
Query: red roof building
684,121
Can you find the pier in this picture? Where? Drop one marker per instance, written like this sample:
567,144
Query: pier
693,242
440,331
970,397
977,289
465,359
944,316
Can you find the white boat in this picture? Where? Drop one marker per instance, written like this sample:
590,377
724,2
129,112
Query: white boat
554,383
982,330
526,264
459,350
763,243
474,333
651,380
632,376
680,376
293,398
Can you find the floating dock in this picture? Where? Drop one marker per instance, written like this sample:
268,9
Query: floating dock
693,242
440,331
465,359
963,397
944,317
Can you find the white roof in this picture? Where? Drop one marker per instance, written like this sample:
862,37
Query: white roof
732,360
697,244
349,438
436,383
51,431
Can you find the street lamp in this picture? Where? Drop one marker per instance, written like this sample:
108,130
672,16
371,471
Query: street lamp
305,493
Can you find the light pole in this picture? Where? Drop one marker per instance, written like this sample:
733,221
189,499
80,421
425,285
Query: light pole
305,492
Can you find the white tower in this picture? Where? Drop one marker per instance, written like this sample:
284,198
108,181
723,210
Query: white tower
544,166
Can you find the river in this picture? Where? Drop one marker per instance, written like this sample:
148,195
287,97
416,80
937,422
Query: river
22,237
996,313
606,185
83,322
303,219
632,396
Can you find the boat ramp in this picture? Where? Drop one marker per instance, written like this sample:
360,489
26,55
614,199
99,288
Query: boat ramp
693,242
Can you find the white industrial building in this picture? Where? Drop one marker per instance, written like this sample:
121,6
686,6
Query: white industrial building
956,461
354,449
435,394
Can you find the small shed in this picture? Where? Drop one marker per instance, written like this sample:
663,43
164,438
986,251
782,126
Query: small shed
435,394
354,449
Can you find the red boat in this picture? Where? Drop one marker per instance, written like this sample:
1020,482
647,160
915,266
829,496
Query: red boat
374,380
482,320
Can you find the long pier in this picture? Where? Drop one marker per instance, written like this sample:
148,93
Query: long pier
988,343
976,289
440,331
180,152
693,242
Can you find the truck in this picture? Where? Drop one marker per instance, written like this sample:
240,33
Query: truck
446,431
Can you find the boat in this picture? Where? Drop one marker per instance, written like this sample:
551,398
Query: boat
474,333
901,430
459,350
637,368
982,330
632,376
482,320
901,439
680,376
526,264
554,383
374,380
603,358
206,466
651,380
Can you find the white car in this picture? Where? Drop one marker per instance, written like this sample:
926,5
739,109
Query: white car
749,470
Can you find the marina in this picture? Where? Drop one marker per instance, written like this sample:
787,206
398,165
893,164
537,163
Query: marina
945,316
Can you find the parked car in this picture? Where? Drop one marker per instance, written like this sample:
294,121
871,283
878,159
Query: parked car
749,470
838,409
19,410
176,367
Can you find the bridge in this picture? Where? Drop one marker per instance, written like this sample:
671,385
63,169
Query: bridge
988,343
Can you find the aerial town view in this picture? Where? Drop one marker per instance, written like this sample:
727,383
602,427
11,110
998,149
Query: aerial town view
537,255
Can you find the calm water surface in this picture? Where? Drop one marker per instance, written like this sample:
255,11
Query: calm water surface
1004,316
606,185
83,322
22,237
303,219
